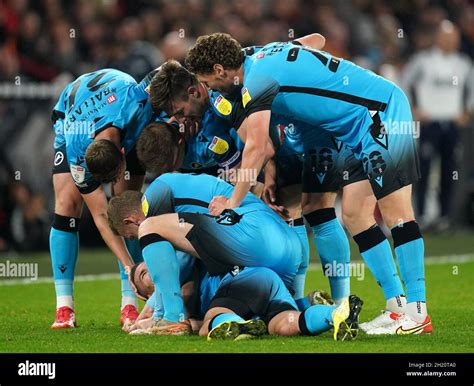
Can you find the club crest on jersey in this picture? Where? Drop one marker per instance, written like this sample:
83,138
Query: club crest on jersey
111,99
218,145
145,206
58,158
223,105
78,173
246,98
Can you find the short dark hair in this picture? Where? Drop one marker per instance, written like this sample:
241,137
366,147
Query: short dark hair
157,147
122,206
218,48
134,284
169,84
104,160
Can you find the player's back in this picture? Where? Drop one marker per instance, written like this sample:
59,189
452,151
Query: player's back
311,85
191,190
102,99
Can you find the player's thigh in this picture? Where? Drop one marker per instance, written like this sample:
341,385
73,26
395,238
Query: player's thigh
255,291
358,206
321,178
315,201
284,324
396,208
290,197
171,228
390,159
67,198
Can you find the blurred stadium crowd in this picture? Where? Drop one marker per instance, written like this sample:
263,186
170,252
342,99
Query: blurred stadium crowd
53,41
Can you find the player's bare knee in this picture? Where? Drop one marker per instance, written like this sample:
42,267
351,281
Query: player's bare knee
284,324
68,205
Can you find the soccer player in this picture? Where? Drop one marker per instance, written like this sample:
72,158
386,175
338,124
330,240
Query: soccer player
173,215
366,112
97,120
214,148
189,278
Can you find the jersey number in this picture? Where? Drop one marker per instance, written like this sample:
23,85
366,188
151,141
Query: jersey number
333,62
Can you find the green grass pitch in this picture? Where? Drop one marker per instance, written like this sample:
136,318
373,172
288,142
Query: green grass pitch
26,311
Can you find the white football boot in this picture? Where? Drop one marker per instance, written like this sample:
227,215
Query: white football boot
385,318
404,325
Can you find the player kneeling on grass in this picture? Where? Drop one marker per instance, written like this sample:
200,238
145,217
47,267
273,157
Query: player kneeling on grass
251,236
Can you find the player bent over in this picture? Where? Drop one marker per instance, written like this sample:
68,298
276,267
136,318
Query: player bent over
253,235
97,120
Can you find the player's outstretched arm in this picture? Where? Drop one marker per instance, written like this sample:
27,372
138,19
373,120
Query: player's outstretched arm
316,41
96,201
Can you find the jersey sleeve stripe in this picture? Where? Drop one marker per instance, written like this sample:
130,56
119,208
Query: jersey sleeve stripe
190,201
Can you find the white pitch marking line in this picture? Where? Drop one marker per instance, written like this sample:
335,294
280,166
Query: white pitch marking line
430,260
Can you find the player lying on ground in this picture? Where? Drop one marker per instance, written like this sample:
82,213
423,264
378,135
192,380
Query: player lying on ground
97,120
176,205
368,113
234,301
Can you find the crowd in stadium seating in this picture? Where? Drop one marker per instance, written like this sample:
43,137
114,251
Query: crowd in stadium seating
43,40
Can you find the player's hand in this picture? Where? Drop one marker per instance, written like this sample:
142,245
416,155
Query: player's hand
140,325
269,197
218,204
191,128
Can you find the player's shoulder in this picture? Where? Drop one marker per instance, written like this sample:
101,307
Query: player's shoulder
170,180
221,106
96,80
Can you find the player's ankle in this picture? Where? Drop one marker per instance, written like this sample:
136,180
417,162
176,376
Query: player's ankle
396,304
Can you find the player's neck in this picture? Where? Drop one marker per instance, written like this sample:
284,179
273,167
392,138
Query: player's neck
240,74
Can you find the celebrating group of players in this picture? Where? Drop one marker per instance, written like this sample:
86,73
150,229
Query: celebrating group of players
251,147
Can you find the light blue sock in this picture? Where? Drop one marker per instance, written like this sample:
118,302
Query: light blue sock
410,250
300,278
226,317
128,294
156,304
316,319
160,258
64,248
375,249
303,304
333,249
